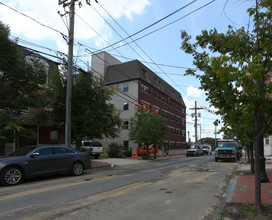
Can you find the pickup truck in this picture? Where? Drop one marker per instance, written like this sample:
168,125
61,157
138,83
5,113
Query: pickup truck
94,148
228,151
194,150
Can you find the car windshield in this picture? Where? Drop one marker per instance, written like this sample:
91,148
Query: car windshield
220,144
22,151
194,147
229,145
205,147
86,143
96,144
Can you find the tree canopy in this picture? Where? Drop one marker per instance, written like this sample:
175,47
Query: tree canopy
20,81
148,128
237,65
92,115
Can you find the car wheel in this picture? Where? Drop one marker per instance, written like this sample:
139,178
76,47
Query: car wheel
11,176
216,159
77,169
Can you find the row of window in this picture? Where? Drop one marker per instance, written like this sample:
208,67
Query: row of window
162,97
172,117
163,113
175,131
157,95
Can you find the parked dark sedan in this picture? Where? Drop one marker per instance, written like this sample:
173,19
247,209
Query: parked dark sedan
33,161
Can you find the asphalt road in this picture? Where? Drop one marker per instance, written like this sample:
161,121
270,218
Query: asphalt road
178,188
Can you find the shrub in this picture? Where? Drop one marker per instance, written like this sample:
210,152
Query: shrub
127,153
115,150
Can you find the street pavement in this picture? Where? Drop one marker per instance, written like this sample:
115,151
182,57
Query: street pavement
241,188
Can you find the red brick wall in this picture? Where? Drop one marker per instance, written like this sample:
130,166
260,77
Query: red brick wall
154,100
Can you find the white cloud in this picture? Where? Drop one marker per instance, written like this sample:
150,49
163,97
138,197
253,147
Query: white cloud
119,8
213,109
40,11
87,22
194,92
189,103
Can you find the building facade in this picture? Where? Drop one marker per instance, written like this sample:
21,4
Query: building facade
137,84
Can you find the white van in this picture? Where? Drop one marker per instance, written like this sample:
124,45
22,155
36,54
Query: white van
95,148
207,149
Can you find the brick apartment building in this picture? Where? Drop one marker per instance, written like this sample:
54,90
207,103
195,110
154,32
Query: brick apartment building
137,84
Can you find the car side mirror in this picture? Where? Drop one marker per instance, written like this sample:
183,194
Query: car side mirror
35,154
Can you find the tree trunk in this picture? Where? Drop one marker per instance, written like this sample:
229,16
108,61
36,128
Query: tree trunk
258,201
252,168
247,153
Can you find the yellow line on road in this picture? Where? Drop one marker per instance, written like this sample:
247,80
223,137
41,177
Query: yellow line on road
87,202
50,188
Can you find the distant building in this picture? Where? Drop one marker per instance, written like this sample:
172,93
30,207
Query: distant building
137,84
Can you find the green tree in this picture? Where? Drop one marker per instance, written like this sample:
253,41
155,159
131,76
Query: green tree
148,128
235,76
92,115
20,81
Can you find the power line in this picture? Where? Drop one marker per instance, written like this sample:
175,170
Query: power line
66,36
116,30
63,35
147,26
154,30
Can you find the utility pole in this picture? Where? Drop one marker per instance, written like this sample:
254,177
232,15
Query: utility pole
196,108
71,4
200,132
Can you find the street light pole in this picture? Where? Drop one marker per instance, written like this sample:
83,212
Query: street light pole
216,122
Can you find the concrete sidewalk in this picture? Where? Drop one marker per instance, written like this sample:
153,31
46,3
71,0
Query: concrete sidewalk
111,162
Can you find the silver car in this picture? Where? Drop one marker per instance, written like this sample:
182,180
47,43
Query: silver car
34,161
194,150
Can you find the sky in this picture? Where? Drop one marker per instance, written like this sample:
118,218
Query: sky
155,26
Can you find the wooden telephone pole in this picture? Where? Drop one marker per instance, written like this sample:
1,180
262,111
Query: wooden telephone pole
71,13
196,108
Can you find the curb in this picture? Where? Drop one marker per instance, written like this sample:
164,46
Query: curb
101,165
227,196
